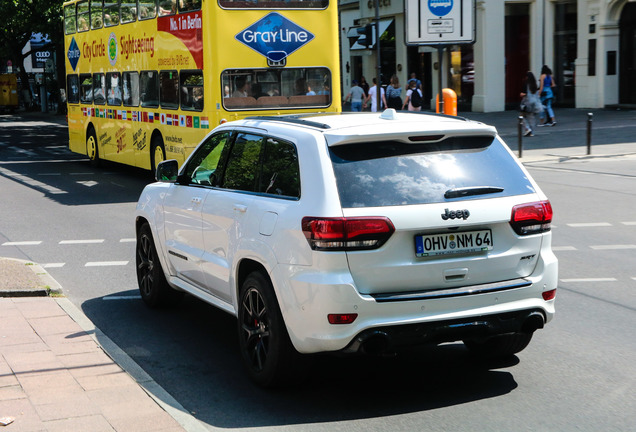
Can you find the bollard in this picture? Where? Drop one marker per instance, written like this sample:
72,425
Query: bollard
589,133
520,134
449,104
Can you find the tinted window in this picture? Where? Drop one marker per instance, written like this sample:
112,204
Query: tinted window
149,89
113,88
280,174
189,5
99,88
169,83
72,89
242,165
202,168
86,88
393,173
191,90
130,87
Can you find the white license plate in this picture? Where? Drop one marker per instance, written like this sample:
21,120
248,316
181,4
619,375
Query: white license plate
453,243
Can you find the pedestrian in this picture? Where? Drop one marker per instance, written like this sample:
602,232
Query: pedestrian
418,83
530,103
374,98
546,84
394,94
413,97
356,94
365,86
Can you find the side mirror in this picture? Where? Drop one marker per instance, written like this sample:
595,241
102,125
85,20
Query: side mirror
167,171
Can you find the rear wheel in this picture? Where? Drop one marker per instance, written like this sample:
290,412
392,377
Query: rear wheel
157,153
500,346
267,352
91,147
153,286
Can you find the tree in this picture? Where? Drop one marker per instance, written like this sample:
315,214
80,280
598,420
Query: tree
20,18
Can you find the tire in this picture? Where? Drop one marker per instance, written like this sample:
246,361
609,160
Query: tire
157,153
92,149
153,286
499,346
266,350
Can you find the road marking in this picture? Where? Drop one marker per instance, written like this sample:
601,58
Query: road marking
81,241
563,248
22,243
53,265
613,247
629,223
127,240
590,280
132,297
105,263
590,224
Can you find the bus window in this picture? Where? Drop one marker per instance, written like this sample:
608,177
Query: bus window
69,19
99,88
167,7
277,88
113,88
130,87
111,13
86,88
97,12
192,90
169,85
83,16
128,12
274,4
147,9
149,89
72,88
189,5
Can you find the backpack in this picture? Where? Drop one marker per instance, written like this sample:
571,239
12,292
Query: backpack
416,98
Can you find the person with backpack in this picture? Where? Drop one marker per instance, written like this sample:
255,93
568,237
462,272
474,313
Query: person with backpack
413,97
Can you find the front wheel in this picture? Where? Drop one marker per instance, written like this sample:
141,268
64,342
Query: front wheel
266,350
157,153
153,286
499,346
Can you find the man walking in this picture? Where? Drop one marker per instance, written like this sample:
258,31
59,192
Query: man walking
357,95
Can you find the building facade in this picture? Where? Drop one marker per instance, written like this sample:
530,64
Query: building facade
590,45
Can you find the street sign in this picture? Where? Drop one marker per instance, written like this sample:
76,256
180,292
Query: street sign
434,22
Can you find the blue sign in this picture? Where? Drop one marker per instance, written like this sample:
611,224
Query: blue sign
274,36
73,53
440,8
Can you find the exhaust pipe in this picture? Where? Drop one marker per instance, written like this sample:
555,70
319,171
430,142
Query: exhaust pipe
534,321
375,343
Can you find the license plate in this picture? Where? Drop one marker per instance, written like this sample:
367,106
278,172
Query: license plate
453,243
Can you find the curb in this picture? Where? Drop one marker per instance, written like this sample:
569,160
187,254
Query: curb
47,286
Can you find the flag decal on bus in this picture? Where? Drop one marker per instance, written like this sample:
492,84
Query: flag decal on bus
274,36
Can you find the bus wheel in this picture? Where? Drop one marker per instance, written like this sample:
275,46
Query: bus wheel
91,147
157,153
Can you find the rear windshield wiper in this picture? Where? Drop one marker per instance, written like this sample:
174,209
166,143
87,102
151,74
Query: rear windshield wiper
472,190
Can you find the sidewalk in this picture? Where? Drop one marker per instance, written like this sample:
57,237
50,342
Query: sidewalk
55,373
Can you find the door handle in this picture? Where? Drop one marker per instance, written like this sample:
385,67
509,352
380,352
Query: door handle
240,208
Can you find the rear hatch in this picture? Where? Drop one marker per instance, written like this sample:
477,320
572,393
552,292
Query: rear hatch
449,197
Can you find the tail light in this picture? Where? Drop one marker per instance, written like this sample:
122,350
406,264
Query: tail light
531,218
345,234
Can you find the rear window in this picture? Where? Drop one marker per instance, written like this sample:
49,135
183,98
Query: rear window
391,173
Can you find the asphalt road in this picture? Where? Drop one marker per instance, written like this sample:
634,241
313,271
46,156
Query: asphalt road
578,373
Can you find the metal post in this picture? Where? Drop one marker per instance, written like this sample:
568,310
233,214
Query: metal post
440,56
589,133
520,136
378,62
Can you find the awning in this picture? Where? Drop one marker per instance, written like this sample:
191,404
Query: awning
353,34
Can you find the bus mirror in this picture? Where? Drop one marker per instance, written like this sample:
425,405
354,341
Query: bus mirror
167,171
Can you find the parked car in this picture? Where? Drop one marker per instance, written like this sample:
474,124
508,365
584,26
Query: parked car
352,233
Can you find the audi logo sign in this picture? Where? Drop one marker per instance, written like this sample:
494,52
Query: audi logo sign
43,54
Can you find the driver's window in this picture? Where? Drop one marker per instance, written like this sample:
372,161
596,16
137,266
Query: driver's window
202,168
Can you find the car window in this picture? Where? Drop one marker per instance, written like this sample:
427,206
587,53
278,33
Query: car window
243,162
204,167
391,173
280,174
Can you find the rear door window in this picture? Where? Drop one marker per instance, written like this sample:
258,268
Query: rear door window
392,173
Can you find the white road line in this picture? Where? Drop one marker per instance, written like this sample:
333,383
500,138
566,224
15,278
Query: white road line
629,223
590,224
133,297
590,280
105,263
22,243
613,247
53,265
81,241
563,248
127,240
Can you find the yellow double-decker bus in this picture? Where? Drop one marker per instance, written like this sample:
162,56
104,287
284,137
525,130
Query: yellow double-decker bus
147,79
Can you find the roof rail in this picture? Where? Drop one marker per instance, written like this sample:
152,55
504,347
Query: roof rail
294,119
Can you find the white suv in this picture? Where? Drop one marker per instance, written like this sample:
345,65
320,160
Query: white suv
352,233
